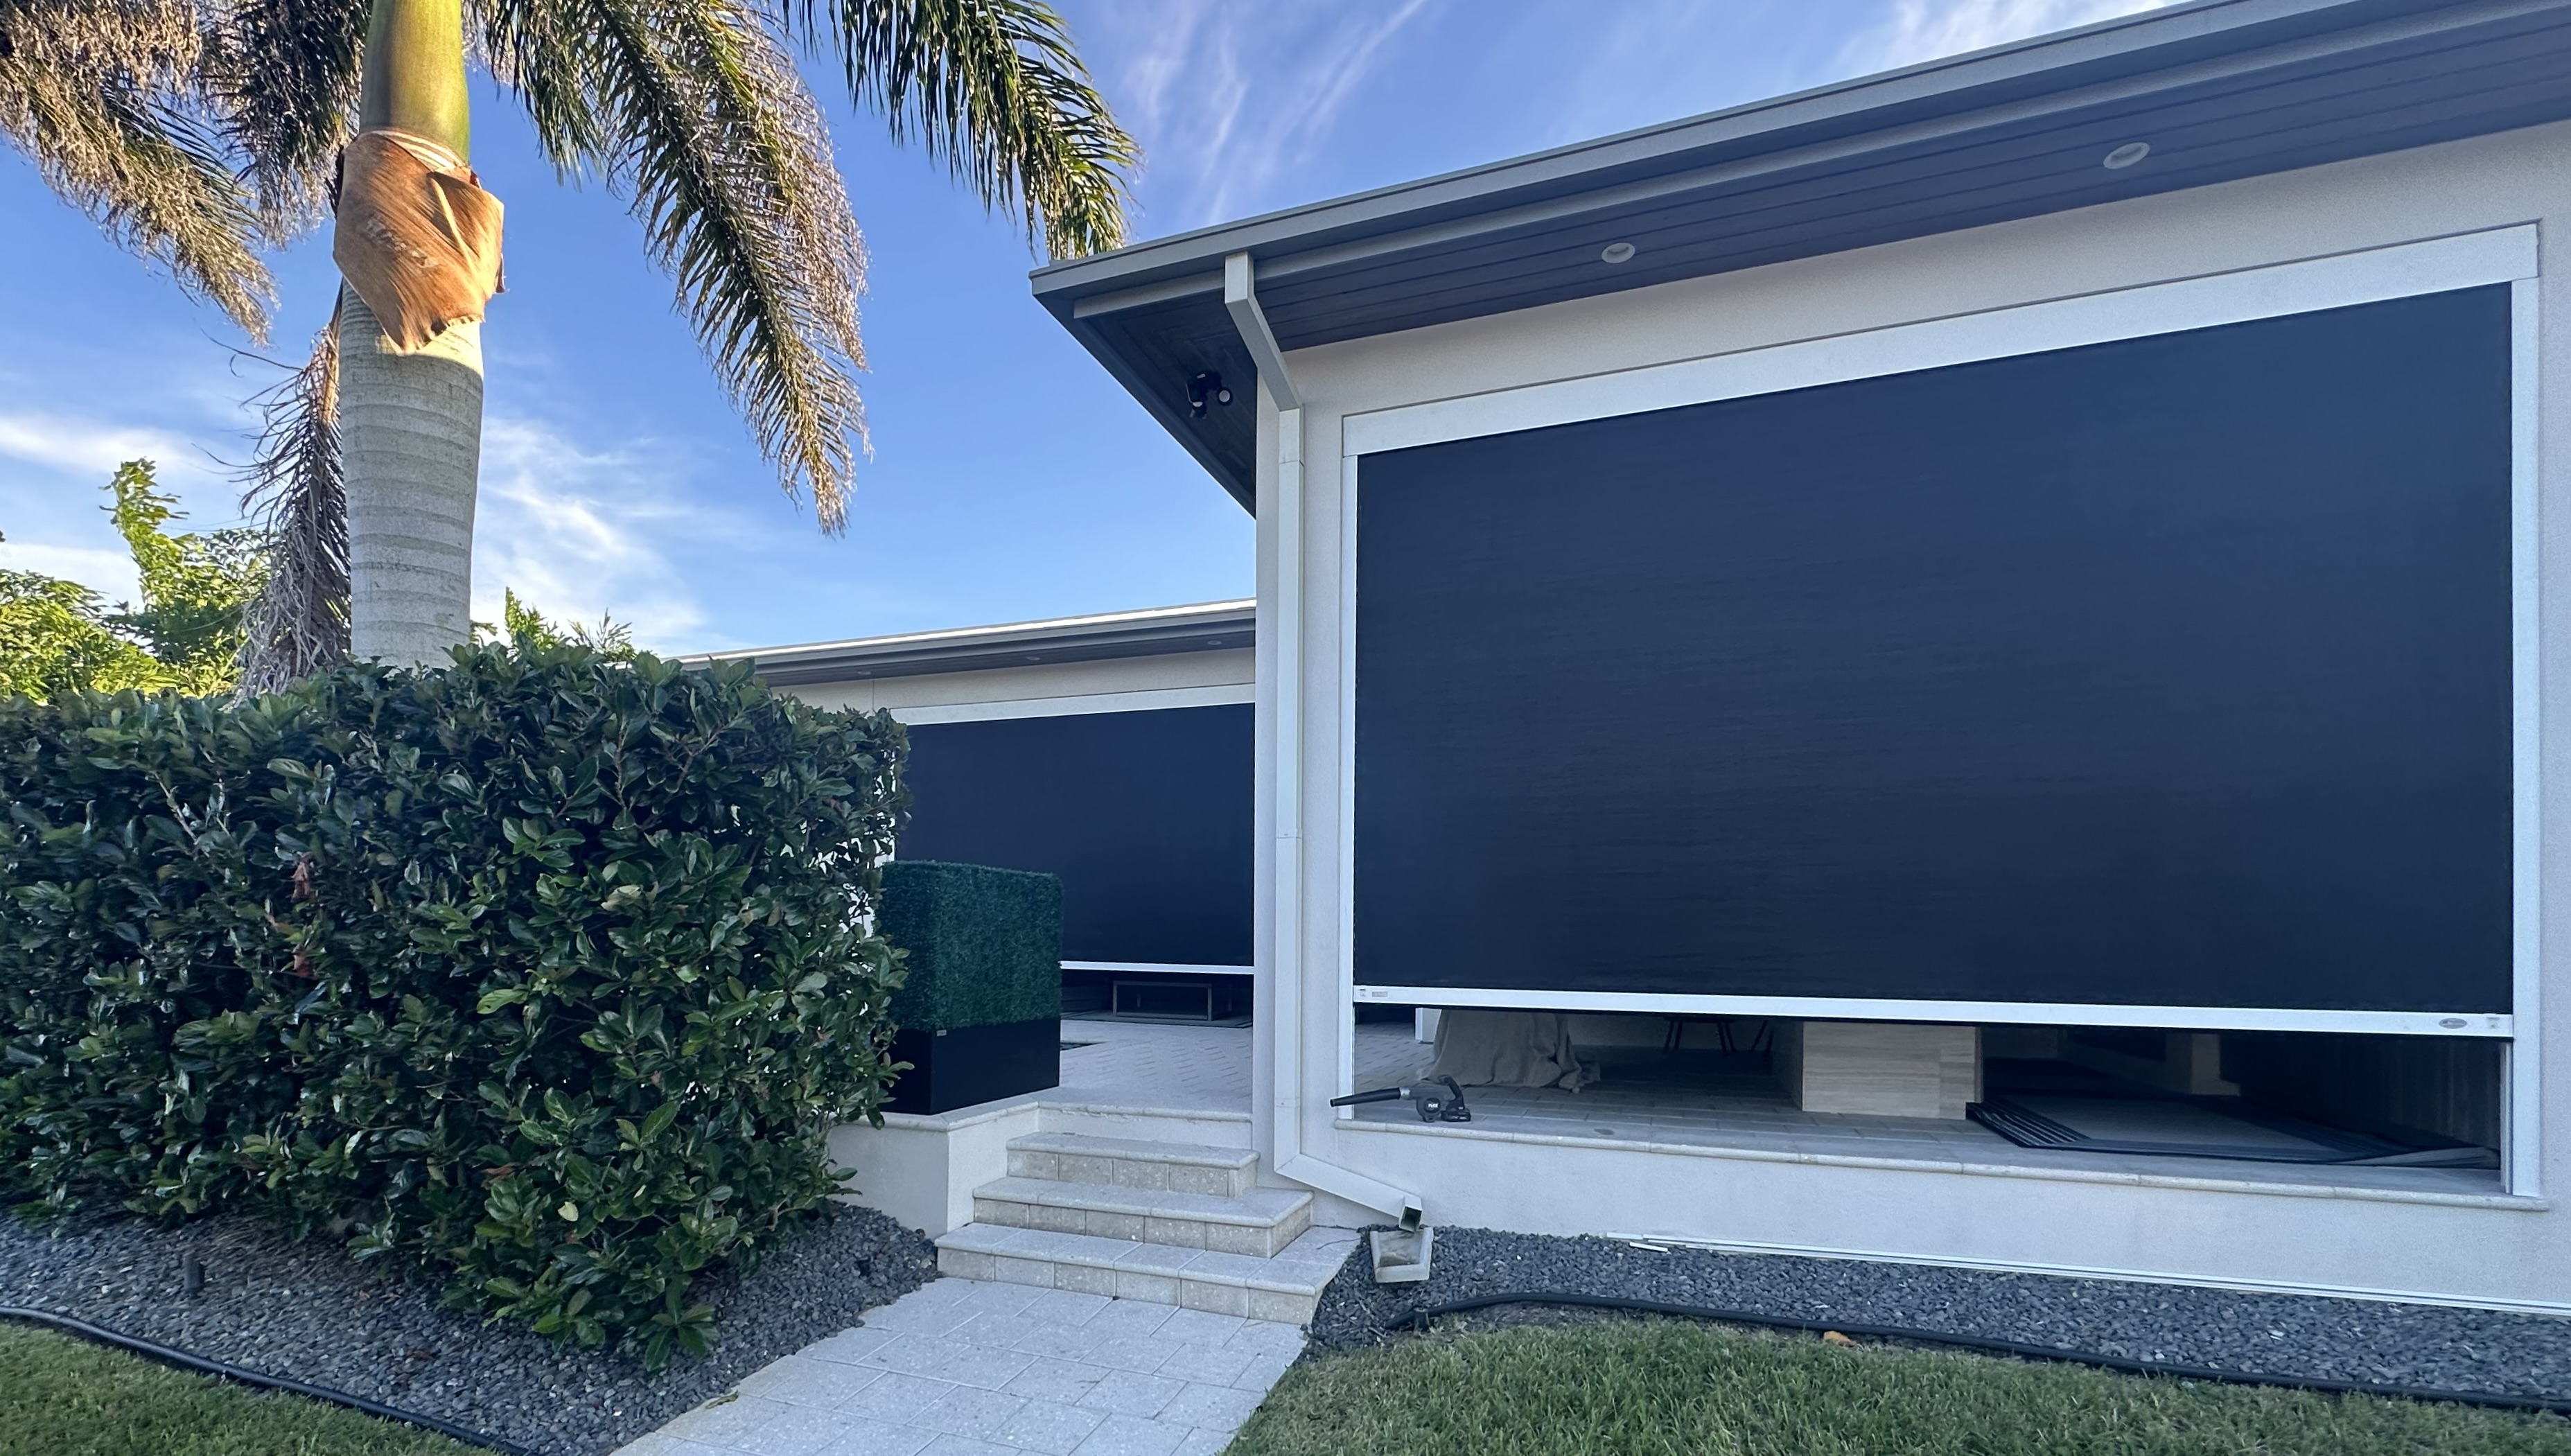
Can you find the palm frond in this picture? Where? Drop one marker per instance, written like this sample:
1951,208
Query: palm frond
298,625
285,75
994,89
155,43
727,163
98,95
540,52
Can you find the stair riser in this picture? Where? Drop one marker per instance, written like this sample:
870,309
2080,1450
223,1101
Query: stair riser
1256,1241
1138,1285
1133,1172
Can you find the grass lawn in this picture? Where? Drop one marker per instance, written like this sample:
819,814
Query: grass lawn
1637,1387
65,1397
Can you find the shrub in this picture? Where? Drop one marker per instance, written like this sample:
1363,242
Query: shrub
545,970
980,946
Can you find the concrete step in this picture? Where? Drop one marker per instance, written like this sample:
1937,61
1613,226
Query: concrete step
1131,1162
1286,1288
1260,1222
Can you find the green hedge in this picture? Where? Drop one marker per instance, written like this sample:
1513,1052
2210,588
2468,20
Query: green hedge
980,946
545,970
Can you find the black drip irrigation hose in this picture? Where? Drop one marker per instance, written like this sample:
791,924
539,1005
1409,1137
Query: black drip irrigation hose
1420,1319
183,1360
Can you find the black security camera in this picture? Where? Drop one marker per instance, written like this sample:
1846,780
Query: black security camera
1205,388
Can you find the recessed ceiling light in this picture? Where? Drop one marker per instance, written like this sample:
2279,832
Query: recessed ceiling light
1616,252
2127,155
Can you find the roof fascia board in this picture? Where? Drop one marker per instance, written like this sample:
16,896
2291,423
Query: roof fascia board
2318,48
1467,189
1122,635
1117,626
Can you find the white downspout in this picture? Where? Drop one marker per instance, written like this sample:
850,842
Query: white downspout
1286,954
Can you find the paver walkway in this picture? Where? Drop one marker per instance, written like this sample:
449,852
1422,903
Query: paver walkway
960,1367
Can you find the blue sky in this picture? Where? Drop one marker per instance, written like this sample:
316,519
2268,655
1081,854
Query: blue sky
1011,479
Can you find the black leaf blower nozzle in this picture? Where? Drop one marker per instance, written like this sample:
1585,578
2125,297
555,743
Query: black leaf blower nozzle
1435,1106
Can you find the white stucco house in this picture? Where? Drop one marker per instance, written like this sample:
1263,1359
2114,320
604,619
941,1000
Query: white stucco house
1979,651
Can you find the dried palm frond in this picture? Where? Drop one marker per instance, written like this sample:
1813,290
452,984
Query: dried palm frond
99,95
150,43
299,623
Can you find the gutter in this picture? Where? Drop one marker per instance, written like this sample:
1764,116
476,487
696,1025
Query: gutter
1285,1115
1152,632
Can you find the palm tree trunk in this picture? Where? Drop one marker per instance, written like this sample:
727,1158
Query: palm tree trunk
410,424
410,443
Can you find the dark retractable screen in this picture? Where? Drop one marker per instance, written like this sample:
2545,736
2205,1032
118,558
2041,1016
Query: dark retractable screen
2167,672
1144,816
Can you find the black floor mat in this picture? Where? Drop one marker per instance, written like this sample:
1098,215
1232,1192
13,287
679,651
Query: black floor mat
2199,1127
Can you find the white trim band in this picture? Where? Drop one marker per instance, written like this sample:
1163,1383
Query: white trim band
2470,259
1144,700
1156,968
2002,1013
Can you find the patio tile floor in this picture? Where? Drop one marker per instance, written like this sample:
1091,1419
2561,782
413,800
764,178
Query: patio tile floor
1640,1102
1206,1070
1142,1064
961,1367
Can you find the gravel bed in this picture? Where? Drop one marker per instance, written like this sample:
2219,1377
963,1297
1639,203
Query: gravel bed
2427,1346
313,1312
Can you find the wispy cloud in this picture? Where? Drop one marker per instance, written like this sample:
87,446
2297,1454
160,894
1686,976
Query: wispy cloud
89,447
1574,70
1647,61
1923,30
111,573
579,532
1228,100
53,502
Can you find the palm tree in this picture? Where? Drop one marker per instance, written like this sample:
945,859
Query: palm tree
200,133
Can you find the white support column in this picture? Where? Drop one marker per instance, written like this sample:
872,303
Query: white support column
1285,1035
1282,627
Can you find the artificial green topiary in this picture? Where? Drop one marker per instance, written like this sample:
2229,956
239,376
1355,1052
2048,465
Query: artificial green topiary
980,946
546,970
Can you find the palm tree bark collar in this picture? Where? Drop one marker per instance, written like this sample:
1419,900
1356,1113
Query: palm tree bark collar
417,236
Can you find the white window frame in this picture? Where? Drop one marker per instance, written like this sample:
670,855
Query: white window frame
2429,266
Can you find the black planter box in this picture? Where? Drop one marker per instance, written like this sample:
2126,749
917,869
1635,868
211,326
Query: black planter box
970,1063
